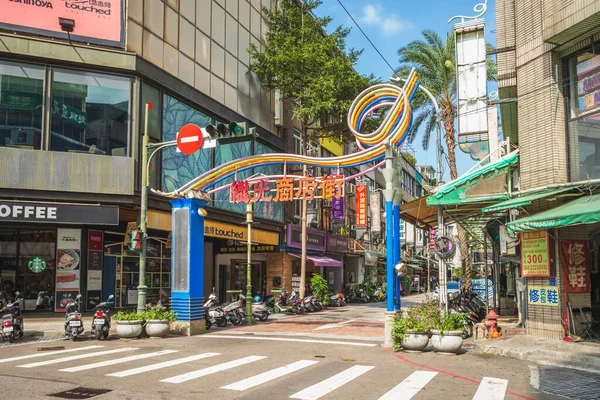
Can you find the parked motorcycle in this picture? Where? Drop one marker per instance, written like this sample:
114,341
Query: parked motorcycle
45,300
296,305
316,303
101,319
337,300
235,310
73,318
215,315
259,309
12,320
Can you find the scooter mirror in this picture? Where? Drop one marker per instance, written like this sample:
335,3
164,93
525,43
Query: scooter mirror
17,293
112,296
78,296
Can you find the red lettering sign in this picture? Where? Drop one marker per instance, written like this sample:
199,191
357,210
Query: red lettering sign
361,206
575,261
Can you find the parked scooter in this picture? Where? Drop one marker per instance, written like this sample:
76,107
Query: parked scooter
101,319
12,320
235,310
73,318
45,300
215,315
259,309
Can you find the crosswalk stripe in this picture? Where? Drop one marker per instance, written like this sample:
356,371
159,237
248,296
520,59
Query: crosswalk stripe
491,389
329,385
410,386
279,339
77,357
212,370
269,375
48,353
117,361
153,367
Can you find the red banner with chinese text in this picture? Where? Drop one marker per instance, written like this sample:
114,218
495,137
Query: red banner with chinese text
576,265
361,206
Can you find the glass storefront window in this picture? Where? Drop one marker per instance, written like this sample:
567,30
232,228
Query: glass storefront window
584,125
21,99
90,113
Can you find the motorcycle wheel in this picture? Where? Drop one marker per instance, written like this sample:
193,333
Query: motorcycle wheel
73,338
310,308
263,316
207,324
467,331
237,319
11,338
221,322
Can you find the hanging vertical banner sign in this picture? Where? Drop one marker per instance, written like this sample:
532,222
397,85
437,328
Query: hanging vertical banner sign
94,269
431,239
534,254
337,209
361,206
68,266
375,212
575,261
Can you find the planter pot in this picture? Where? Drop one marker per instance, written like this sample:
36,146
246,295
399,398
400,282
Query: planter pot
157,327
448,343
415,341
129,329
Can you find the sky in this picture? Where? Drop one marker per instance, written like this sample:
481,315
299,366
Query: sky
391,24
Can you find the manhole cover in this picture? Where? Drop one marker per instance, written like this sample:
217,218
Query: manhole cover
80,393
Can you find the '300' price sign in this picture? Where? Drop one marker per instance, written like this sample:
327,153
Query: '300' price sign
534,254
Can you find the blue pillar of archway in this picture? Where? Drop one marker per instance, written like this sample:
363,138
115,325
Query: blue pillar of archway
187,265
396,227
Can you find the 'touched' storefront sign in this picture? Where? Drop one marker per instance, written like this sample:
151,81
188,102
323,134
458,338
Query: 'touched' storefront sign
239,233
534,254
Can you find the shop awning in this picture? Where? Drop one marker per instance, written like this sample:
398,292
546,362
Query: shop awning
482,185
526,199
584,210
320,261
418,213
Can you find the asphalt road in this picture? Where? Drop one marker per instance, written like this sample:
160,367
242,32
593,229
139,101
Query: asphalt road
255,367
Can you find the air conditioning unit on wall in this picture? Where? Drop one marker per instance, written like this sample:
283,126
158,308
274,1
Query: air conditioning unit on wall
278,109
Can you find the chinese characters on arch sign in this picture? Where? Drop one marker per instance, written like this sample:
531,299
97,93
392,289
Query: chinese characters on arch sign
534,254
308,188
575,261
542,295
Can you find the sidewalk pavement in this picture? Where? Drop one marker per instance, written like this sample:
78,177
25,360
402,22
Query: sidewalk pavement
583,356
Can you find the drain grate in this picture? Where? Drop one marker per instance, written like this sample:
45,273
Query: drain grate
80,393
319,356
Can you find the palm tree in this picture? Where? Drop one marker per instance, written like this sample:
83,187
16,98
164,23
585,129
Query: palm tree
434,61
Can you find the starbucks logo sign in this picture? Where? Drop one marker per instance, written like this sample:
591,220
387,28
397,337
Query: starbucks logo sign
36,265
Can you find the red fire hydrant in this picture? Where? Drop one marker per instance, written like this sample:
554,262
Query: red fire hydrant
492,323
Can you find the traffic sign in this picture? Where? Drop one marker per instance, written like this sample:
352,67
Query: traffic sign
189,139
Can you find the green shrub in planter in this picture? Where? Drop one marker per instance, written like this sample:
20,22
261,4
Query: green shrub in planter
420,318
320,288
451,322
159,312
128,316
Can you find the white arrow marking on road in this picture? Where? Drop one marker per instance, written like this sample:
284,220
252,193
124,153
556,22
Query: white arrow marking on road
49,353
410,386
491,389
329,385
338,325
190,139
269,375
211,370
219,336
77,357
153,367
117,361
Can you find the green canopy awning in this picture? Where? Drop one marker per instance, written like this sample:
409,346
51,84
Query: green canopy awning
584,210
469,188
526,200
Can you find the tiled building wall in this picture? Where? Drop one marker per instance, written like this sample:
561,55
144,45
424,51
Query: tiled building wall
204,43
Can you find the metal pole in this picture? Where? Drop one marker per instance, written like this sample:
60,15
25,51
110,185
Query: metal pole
428,273
485,275
388,192
141,307
303,259
249,317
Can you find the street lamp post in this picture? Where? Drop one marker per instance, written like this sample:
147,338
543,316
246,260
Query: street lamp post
249,220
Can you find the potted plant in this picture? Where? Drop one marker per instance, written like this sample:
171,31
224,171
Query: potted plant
129,324
411,330
158,320
447,337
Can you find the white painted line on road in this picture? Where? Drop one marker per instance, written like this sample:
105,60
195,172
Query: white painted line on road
410,386
48,353
153,367
269,375
329,385
77,357
534,376
211,370
338,325
289,340
117,361
491,389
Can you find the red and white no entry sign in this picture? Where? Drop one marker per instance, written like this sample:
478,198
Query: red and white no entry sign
189,139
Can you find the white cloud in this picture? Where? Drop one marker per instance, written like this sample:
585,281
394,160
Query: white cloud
389,25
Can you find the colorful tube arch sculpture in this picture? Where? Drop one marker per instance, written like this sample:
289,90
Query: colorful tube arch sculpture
393,129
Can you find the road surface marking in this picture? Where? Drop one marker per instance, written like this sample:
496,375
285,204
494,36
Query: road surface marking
77,357
211,370
410,386
338,325
491,389
153,367
117,361
190,139
289,340
48,353
269,375
329,385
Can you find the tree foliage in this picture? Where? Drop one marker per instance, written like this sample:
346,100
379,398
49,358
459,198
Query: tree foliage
313,69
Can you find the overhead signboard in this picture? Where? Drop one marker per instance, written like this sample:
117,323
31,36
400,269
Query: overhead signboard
58,213
534,254
95,21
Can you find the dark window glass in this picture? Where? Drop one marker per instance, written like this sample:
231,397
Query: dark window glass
90,113
21,99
